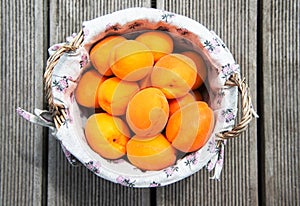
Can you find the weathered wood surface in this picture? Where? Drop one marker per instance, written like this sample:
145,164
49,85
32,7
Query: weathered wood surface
24,29
261,166
280,77
235,22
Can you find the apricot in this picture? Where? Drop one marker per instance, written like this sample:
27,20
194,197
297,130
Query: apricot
154,153
145,82
174,74
175,104
86,90
131,60
190,127
158,42
147,112
201,67
99,54
107,135
114,95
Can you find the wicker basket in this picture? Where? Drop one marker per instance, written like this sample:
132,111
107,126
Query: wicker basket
224,84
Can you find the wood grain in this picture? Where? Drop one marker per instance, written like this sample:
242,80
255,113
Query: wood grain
281,88
24,29
263,36
69,185
235,23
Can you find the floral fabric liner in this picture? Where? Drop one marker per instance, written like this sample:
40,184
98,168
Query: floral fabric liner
66,74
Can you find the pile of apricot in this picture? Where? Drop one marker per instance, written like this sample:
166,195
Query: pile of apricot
149,108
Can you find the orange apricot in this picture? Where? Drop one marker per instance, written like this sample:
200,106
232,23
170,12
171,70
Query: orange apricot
99,54
190,127
131,60
145,82
86,90
174,74
114,95
201,68
107,135
153,153
147,112
175,104
158,42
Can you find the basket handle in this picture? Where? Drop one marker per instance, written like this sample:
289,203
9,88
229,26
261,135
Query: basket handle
58,110
247,109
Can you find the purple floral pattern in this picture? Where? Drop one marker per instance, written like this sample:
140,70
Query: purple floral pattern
85,31
212,146
154,184
228,115
23,113
228,69
220,42
109,27
221,157
134,25
213,46
125,181
170,170
55,47
69,118
220,96
83,61
70,38
219,149
72,160
93,166
62,84
191,159
220,161
167,16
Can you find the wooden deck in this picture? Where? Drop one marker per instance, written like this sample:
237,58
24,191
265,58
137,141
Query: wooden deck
261,166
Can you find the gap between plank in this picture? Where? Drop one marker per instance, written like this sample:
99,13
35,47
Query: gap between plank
46,135
153,4
153,198
260,106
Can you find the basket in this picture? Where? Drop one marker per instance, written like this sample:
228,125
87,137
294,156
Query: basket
66,119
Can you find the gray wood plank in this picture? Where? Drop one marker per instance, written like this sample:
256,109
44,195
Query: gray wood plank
69,185
281,91
235,22
24,38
